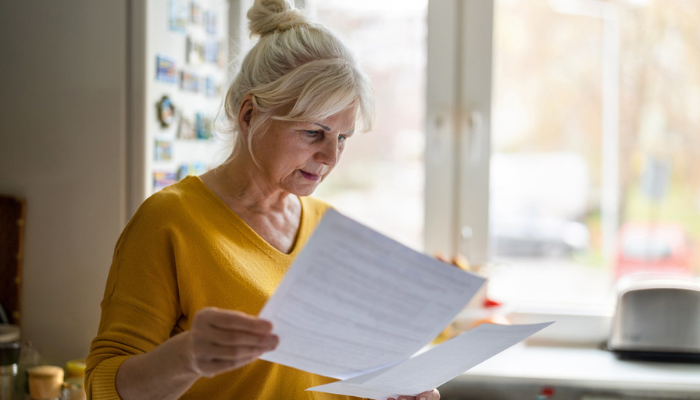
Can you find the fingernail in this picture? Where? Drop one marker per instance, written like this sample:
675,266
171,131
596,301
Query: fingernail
422,398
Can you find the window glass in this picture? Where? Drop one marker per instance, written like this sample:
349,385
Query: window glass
595,125
380,178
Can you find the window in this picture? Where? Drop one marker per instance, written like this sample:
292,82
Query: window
554,141
595,106
583,117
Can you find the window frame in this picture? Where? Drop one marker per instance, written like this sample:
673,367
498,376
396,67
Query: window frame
458,128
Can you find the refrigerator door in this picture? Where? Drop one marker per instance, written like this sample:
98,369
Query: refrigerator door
179,63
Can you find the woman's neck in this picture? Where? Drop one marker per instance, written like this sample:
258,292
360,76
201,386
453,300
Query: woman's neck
275,215
239,184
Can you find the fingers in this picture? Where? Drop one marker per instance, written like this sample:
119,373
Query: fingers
458,261
230,337
210,352
222,340
232,328
429,395
235,320
444,259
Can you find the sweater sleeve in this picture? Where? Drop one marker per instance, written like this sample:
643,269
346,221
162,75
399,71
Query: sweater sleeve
141,303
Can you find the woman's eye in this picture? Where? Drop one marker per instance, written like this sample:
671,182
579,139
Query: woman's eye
314,134
342,138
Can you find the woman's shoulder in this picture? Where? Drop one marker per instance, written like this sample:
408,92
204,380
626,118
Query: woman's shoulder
172,201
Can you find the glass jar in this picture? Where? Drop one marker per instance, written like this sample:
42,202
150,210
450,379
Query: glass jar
74,389
9,356
29,357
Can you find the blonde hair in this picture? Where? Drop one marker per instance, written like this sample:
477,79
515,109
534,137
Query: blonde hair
295,63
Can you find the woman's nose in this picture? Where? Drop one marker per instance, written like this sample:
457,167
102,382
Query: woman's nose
328,154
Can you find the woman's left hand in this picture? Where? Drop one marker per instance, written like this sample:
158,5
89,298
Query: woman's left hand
430,395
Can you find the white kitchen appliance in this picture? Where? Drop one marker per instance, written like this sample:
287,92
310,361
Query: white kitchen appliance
658,320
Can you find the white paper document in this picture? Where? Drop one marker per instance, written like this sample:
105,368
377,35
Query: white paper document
436,366
355,302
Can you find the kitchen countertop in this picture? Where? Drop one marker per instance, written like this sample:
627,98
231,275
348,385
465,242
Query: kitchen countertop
582,368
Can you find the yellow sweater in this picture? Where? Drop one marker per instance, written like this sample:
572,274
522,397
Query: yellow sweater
184,249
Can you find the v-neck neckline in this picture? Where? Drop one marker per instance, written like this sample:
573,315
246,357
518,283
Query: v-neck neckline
245,229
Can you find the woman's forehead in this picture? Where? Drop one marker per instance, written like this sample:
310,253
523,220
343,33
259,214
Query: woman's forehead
344,120
341,120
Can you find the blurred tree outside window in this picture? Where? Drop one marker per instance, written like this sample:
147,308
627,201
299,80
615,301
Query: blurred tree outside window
547,141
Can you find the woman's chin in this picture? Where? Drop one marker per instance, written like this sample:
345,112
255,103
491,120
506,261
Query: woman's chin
308,191
305,189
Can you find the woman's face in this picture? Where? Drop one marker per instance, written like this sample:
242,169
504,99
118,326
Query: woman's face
297,156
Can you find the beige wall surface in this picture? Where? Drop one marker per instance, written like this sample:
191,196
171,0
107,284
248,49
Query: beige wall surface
63,123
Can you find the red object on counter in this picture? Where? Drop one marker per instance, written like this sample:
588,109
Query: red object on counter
547,391
491,303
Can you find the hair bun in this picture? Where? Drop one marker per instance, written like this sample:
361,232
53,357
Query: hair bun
267,16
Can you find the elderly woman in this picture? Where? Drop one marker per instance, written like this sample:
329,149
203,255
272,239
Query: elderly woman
200,258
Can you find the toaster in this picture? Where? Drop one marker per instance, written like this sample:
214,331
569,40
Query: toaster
657,320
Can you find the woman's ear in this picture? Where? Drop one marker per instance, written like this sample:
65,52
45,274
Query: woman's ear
245,113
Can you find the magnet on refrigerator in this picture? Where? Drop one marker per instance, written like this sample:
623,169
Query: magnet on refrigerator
194,51
164,150
186,129
163,179
203,126
189,81
177,16
211,87
210,21
211,52
166,70
166,111
195,13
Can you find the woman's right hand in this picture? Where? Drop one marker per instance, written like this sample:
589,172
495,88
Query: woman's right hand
218,341
222,340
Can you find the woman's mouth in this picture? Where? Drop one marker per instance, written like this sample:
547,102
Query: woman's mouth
310,176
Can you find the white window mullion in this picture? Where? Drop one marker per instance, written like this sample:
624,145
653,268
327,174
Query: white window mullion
441,129
458,127
474,140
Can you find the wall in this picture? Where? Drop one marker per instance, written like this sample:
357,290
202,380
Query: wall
62,147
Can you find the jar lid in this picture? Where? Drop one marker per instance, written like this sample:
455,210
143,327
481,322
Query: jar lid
75,367
9,333
46,371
